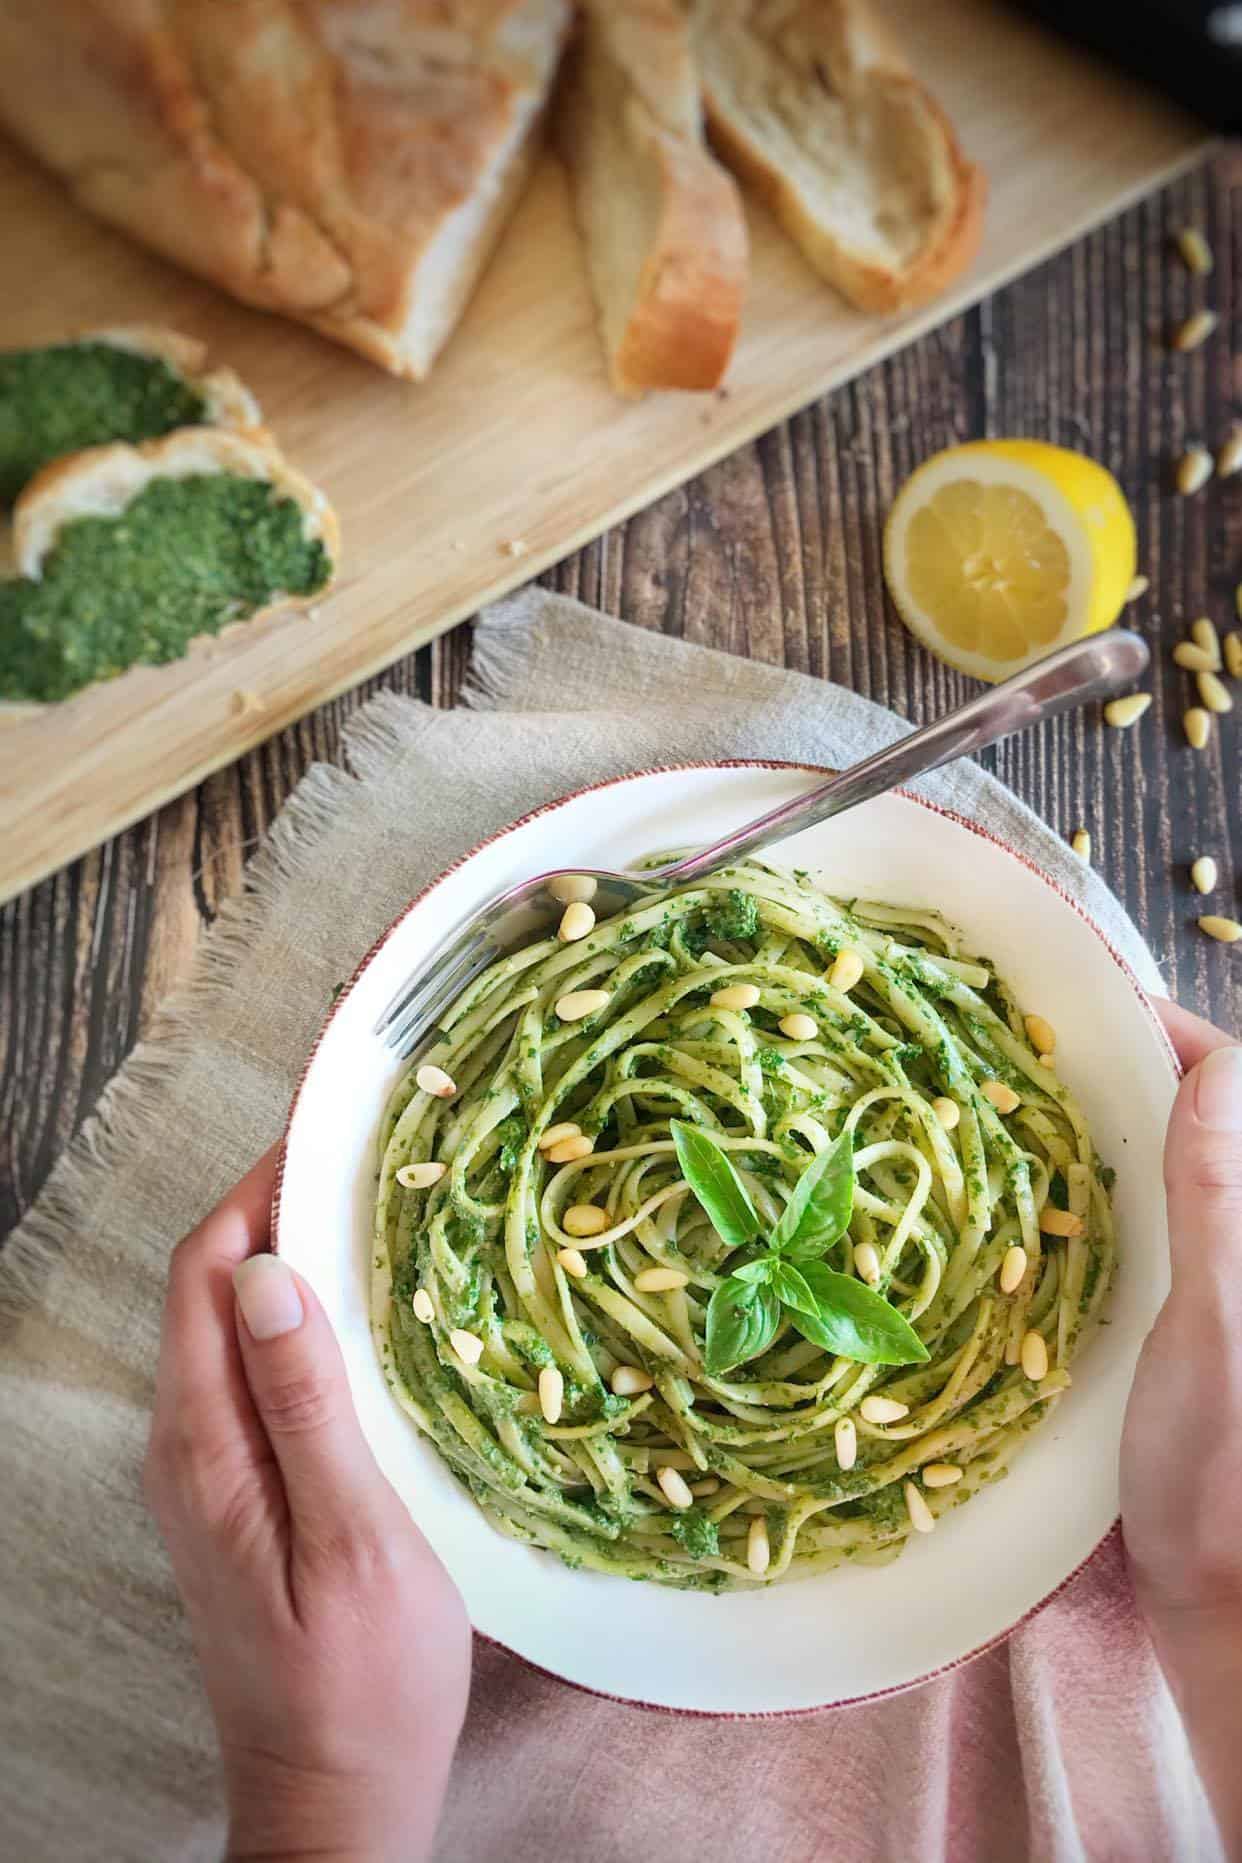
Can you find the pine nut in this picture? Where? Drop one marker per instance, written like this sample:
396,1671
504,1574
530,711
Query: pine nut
1192,658
573,1261
573,888
921,1517
1237,601
423,1309
435,1081
1229,458
1232,645
1197,724
551,1393
569,1150
736,996
948,1112
1041,1034
630,1381
1213,692
1203,874
577,920
847,969
1047,1060
674,1488
1195,251
875,1409
1033,1356
799,1027
1055,1222
941,1474
1080,841
867,1262
1225,931
1122,713
1203,634
758,1546
568,1128
420,1176
1013,1269
1195,330
1194,469
528,1404
580,1003
468,1346
660,1280
584,1219
845,1438
710,1485
1139,586
1003,1097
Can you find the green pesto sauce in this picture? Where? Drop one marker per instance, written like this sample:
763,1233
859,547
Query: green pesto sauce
56,401
187,557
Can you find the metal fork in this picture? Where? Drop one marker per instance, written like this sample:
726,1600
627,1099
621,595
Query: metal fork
1089,669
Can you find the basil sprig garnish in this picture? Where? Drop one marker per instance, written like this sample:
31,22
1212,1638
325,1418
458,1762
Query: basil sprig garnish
785,1278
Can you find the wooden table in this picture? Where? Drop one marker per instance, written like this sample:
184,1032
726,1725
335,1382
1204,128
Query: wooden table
776,553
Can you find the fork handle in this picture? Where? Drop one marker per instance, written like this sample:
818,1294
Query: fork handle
1088,669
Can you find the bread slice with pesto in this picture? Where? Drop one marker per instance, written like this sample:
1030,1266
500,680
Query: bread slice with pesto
661,220
132,383
126,554
813,104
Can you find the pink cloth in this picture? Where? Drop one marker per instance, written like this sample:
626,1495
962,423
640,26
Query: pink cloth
1061,1743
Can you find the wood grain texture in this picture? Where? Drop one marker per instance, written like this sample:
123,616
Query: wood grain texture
775,552
516,437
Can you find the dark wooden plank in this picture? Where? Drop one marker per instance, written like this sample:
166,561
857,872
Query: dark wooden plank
775,552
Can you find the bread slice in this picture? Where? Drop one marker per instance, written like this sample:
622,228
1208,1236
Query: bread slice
347,164
103,481
133,383
812,103
662,222
118,564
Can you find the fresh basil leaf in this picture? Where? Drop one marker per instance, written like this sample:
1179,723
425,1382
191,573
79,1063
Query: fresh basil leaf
856,1322
757,1272
707,1170
742,1322
792,1288
819,1211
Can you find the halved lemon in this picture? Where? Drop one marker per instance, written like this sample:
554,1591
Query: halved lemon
998,552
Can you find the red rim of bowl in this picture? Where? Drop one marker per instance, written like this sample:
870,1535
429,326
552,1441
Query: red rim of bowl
675,769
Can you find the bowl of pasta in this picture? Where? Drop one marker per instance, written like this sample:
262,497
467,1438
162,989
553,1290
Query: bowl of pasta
784,1243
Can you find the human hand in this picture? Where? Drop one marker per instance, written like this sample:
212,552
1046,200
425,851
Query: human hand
334,1646
1181,1454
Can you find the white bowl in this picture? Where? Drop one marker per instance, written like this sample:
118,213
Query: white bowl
852,1633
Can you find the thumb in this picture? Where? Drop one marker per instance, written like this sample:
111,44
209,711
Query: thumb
297,1380
1203,1172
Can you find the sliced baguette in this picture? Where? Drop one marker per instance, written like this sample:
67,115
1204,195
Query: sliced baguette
103,481
662,222
812,102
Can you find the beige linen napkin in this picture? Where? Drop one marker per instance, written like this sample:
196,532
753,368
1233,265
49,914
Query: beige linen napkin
1063,1744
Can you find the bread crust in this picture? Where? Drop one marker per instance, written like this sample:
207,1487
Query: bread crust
867,64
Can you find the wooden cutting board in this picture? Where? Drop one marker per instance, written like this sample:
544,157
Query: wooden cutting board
515,452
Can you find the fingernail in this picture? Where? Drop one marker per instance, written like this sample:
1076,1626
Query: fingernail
268,1296
1218,1091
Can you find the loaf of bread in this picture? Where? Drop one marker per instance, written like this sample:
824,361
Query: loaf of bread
812,103
347,162
661,221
